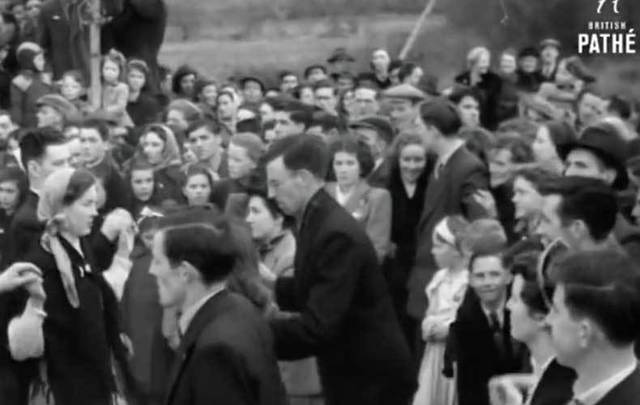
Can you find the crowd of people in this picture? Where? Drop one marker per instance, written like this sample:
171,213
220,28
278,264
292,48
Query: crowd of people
340,238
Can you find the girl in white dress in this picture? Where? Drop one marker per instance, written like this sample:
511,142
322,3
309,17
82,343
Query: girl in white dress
445,292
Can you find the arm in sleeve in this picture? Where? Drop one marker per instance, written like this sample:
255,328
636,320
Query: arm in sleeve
330,296
378,225
122,98
476,179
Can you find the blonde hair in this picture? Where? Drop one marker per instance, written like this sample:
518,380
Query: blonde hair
475,54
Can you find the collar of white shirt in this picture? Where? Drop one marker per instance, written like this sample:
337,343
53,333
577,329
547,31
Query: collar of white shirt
600,390
499,311
189,313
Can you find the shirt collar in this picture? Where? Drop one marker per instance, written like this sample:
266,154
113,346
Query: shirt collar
594,394
499,311
189,313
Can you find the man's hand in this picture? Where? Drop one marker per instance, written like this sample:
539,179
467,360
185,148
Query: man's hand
116,222
21,275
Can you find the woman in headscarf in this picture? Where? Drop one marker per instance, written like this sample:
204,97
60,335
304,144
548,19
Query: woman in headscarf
72,327
159,148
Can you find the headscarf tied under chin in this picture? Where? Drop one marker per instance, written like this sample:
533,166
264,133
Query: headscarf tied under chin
50,211
170,153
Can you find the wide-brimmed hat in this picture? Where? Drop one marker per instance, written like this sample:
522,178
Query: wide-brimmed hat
605,142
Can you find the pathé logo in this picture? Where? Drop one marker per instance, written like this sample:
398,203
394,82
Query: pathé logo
601,4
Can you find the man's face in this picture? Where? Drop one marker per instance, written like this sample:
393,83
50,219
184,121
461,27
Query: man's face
326,99
565,328
528,64
285,126
402,112
92,147
500,166
526,199
584,163
204,144
252,92
469,111
49,117
591,108
489,279
176,121
55,157
171,280
366,103
507,64
284,187
549,54
551,227
6,126
289,82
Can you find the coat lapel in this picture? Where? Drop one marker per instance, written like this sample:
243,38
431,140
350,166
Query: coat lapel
203,317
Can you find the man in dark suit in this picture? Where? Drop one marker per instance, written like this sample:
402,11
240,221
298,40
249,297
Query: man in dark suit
457,176
594,320
226,350
345,315
480,338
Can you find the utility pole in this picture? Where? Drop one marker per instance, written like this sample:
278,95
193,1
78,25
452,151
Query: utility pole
94,51
416,30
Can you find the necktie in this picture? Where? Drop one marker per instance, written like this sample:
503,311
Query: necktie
498,337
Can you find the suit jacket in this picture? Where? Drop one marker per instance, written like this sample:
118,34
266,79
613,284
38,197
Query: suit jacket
226,357
627,392
371,207
379,177
449,194
490,87
555,386
346,315
476,354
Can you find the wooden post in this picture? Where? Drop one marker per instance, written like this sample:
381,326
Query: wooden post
94,35
416,30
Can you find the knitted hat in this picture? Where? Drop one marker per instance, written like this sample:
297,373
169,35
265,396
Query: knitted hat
68,111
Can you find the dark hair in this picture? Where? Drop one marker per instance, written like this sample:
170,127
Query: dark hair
478,141
328,122
272,206
406,69
561,133
304,117
81,180
182,71
16,175
525,265
461,92
301,152
620,105
520,149
197,169
98,125
586,199
475,256
355,146
34,143
605,287
211,125
325,84
441,115
538,176
210,249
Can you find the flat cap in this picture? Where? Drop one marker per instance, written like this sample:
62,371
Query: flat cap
60,104
550,42
404,92
441,114
378,123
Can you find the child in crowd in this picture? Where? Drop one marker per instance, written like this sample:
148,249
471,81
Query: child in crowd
198,185
73,88
445,292
142,181
115,92
29,85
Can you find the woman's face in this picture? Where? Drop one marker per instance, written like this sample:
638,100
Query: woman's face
346,168
306,96
412,161
187,83
380,60
469,111
70,89
197,190
142,184
110,71
177,121
226,107
9,196
240,164
79,215
544,150
136,80
264,226
524,326
526,199
209,95
508,64
152,146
